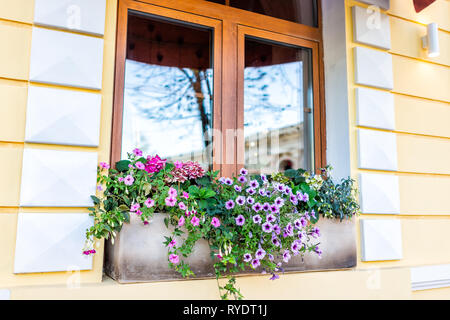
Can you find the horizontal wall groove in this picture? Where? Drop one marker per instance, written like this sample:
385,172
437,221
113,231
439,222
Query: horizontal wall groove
404,133
405,216
53,28
13,22
419,59
406,173
413,21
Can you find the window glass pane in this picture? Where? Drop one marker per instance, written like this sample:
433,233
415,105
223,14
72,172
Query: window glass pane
168,98
278,123
300,11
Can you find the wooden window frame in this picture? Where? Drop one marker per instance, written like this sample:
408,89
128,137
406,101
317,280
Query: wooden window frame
229,25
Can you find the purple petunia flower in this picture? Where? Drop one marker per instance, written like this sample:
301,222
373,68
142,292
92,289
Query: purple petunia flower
257,207
228,181
266,207
288,191
242,179
299,195
240,200
303,222
313,214
267,227
257,219
240,220
137,152
250,234
260,254
286,256
255,263
247,257
295,247
281,187
294,200
318,251
305,197
263,177
229,204
250,200
195,221
243,172
262,192
274,276
271,218
279,202
251,191
274,208
276,242
215,222
307,215
237,188
222,180
316,232
271,258
254,184
277,229
174,258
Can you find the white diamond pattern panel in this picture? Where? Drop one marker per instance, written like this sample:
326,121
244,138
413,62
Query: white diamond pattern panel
58,178
379,193
78,15
50,242
377,150
381,240
373,68
371,27
64,58
375,108
65,117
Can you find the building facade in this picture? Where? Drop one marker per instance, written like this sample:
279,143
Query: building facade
381,115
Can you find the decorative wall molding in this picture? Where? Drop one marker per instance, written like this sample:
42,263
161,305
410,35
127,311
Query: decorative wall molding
64,58
375,108
58,178
373,68
50,242
430,277
379,193
78,15
384,4
371,27
377,150
381,239
5,294
59,116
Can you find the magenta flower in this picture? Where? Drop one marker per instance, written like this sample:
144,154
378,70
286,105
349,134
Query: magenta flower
215,222
247,257
266,207
185,195
173,192
135,207
155,164
171,201
139,212
146,222
174,258
182,206
128,180
137,152
255,263
120,179
260,254
178,164
274,208
267,227
172,243
229,204
195,221
140,165
104,165
240,220
181,222
149,203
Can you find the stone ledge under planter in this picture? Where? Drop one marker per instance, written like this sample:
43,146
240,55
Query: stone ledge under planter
138,254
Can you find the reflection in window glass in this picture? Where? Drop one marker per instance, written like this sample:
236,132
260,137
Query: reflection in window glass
277,108
300,11
168,98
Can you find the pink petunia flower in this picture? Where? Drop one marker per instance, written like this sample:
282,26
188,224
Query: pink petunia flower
178,164
149,203
120,179
128,180
173,192
171,201
104,165
195,221
215,222
182,206
185,195
140,165
181,222
174,258
172,243
135,207
137,152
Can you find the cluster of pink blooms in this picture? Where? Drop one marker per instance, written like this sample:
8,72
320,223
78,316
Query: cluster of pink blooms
155,164
88,252
186,171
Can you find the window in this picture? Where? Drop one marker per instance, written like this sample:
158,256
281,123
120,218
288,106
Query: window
223,87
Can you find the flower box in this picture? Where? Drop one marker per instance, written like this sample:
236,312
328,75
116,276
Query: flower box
139,255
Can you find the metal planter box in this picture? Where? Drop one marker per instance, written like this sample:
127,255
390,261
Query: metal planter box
138,254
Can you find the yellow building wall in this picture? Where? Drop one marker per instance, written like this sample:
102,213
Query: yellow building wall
422,113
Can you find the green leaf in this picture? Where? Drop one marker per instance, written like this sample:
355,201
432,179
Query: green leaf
126,215
122,165
95,199
166,222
